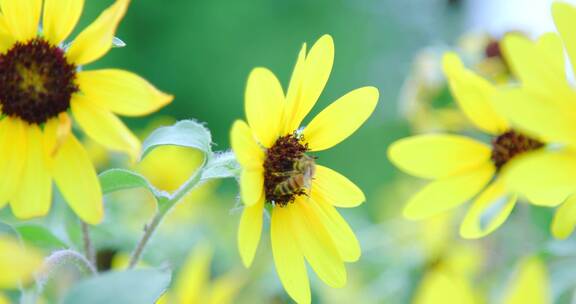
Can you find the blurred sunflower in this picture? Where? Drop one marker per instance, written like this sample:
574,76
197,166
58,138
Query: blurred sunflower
462,168
529,283
193,283
16,264
276,169
544,105
42,86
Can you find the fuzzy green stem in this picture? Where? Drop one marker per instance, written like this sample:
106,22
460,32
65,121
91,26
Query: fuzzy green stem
164,206
88,245
59,259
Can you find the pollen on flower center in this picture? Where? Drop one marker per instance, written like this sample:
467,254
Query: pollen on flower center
287,170
36,81
508,145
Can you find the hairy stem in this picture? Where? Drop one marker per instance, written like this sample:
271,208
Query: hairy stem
88,246
164,206
59,259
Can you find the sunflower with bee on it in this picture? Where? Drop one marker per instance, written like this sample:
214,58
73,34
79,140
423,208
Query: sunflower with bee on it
43,88
462,168
277,170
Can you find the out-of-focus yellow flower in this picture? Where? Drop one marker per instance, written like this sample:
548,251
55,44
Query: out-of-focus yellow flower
168,168
16,263
420,95
441,286
545,106
461,167
424,98
451,264
529,284
193,282
277,169
41,85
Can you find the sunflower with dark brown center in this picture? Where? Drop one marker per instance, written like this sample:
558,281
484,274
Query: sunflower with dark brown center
276,168
462,168
42,86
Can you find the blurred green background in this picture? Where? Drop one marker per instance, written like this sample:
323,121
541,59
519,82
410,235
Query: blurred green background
203,51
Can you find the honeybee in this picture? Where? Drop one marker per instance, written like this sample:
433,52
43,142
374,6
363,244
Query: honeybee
298,179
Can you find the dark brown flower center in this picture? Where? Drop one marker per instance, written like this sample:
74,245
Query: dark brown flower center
511,144
287,170
36,81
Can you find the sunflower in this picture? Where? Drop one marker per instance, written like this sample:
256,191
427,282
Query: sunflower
278,171
193,284
43,88
544,105
461,167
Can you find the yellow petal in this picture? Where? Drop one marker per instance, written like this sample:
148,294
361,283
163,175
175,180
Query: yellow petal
444,287
342,235
530,284
288,258
251,186
12,149
250,230
249,154
192,281
16,263
264,104
524,175
104,127
22,17
538,117
56,130
565,219
122,92
316,243
340,119
474,96
78,182
437,155
34,195
96,40
489,211
545,76
335,188
60,18
449,192
294,106
315,74
565,19
6,38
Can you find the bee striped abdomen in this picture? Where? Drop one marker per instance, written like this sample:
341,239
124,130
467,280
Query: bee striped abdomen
292,185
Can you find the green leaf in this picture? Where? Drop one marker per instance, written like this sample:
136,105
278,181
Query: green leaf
40,237
221,165
120,179
127,287
185,133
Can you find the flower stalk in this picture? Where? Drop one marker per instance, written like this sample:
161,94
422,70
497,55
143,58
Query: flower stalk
89,251
165,204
